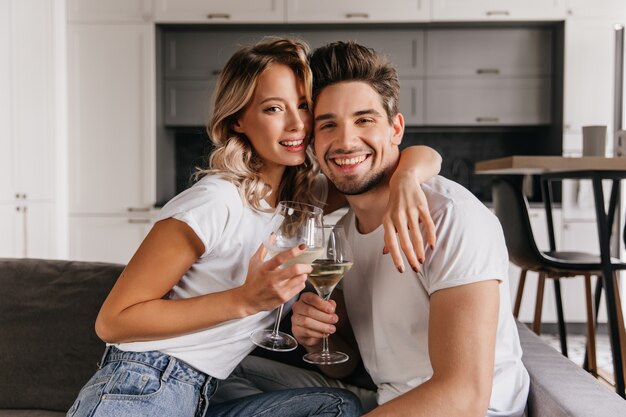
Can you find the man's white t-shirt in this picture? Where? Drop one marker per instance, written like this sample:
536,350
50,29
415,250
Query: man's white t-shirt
231,233
389,311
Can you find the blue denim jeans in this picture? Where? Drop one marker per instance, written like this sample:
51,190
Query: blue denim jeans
154,384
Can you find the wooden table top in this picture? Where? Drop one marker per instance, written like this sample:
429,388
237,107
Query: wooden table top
520,164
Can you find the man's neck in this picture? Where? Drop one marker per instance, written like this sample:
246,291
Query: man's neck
369,208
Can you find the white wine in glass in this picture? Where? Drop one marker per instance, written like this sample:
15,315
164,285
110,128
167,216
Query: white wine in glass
292,224
328,270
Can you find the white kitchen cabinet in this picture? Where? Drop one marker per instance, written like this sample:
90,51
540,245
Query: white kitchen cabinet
497,10
588,95
220,11
357,11
612,9
489,102
31,114
111,118
107,239
109,10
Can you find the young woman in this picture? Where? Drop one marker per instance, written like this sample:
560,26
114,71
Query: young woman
180,315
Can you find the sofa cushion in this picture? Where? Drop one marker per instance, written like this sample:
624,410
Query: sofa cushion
49,348
560,388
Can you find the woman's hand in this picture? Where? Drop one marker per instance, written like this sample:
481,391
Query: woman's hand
406,209
268,285
313,318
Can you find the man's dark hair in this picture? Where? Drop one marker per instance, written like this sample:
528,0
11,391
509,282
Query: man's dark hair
348,61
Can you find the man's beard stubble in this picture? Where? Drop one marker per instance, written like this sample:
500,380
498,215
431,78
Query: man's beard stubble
351,186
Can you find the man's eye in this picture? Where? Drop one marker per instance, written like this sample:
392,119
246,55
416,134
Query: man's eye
365,120
325,126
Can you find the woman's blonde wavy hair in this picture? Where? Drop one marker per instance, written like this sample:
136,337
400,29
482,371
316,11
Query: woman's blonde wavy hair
233,157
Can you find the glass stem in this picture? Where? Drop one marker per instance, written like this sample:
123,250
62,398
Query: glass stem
325,349
279,314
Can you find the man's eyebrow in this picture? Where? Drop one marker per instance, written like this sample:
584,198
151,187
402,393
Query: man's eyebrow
367,111
325,116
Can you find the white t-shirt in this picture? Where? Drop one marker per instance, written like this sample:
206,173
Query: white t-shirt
389,311
231,233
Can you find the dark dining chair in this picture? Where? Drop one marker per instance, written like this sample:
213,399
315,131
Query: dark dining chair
511,208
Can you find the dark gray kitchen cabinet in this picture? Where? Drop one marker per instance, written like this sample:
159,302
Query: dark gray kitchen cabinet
188,102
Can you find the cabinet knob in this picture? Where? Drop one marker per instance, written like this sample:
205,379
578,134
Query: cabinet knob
18,209
18,195
357,15
218,16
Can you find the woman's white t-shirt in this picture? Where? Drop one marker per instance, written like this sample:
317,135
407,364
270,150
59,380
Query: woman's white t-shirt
231,232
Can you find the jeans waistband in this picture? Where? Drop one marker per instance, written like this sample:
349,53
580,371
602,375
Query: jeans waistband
170,366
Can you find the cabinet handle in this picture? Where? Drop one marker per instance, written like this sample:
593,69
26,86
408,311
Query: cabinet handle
487,71
218,16
487,119
498,13
357,15
138,221
138,209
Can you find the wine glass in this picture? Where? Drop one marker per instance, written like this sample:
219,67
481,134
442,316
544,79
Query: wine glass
292,224
328,270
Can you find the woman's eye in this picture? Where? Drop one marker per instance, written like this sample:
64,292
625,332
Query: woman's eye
304,106
273,109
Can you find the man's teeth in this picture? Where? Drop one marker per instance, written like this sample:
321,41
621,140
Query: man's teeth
292,142
350,161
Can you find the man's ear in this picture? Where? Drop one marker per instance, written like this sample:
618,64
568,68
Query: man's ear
397,126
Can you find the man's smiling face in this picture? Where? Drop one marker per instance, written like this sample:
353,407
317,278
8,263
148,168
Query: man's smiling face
355,143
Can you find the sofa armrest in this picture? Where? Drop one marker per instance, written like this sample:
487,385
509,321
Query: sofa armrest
559,388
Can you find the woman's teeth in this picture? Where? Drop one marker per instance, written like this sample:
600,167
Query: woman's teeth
292,142
350,161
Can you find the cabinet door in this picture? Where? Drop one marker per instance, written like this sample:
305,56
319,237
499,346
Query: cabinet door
588,95
497,10
406,51
39,230
502,101
112,117
109,10
11,238
188,103
597,9
33,82
106,239
412,101
7,156
357,11
489,52
220,11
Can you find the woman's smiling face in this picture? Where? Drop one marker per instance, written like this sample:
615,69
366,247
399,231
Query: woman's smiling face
277,120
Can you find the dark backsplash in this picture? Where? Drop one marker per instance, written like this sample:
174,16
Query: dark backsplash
460,148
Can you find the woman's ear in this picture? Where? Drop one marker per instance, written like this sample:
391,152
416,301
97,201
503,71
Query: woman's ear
236,126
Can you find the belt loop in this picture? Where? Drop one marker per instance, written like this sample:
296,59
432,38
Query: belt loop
107,349
168,369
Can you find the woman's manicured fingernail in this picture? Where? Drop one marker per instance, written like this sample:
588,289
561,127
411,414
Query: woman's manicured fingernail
416,269
302,246
401,269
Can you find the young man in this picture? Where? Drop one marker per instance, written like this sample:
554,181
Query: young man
438,342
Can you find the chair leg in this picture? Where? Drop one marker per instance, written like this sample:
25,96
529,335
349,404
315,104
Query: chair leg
560,316
541,283
591,365
620,322
520,292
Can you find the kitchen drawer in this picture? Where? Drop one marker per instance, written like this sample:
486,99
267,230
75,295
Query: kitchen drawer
489,52
188,103
357,11
202,54
412,101
220,11
406,51
497,101
497,10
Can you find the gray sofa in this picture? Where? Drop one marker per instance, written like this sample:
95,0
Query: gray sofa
48,348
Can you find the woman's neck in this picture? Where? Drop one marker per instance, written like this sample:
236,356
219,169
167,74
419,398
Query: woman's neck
273,176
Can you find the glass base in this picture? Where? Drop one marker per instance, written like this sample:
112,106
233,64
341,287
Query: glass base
278,342
325,358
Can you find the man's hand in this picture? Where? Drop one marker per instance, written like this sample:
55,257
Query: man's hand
312,319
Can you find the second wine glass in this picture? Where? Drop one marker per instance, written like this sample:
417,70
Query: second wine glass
292,224
328,270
